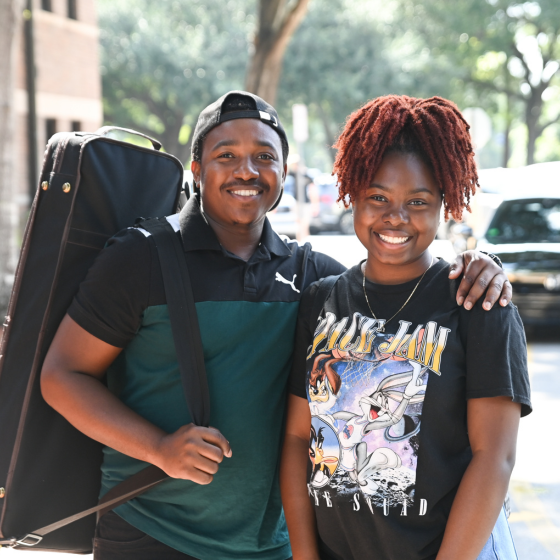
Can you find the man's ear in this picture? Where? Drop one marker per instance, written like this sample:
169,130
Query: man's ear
195,168
284,172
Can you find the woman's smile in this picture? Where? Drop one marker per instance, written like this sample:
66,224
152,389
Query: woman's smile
393,239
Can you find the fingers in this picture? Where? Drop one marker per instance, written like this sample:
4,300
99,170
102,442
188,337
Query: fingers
507,293
483,277
457,267
497,286
216,438
192,453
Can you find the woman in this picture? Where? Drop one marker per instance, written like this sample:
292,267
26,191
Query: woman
422,398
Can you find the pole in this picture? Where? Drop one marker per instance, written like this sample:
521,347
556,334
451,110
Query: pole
31,101
303,225
301,134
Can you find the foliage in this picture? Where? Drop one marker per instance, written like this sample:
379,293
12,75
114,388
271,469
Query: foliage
347,52
162,63
508,53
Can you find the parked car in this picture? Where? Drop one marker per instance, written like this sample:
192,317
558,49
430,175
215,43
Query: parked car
525,234
284,218
326,213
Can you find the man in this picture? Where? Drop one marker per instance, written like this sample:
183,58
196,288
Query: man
224,501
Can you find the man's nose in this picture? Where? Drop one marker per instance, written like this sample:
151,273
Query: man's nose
246,169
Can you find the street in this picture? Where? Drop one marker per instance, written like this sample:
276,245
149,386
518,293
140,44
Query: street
535,484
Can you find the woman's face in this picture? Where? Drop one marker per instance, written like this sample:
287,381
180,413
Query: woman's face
397,217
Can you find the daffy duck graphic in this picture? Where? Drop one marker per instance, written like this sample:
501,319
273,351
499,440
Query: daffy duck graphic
323,467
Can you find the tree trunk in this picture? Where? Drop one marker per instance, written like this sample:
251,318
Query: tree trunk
533,112
327,127
170,137
278,19
10,16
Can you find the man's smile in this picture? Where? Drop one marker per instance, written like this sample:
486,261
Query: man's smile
244,192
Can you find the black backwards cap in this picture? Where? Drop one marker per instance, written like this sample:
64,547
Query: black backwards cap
236,105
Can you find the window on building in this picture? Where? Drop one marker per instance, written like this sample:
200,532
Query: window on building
72,9
76,126
50,127
46,5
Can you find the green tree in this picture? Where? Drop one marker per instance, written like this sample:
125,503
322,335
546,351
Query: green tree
504,48
162,63
349,51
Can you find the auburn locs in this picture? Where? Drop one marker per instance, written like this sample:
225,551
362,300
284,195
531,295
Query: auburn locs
440,134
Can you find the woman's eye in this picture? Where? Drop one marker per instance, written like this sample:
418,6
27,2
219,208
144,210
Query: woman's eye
378,198
417,202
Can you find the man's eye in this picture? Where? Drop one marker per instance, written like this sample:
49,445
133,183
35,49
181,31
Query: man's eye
226,155
266,156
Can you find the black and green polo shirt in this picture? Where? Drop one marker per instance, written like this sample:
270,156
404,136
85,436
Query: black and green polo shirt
247,313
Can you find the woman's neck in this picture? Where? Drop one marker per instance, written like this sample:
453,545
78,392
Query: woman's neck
385,273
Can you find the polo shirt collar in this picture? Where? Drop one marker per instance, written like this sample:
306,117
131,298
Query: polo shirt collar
197,234
272,241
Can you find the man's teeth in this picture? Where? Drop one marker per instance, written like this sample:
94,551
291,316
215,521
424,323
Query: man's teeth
394,240
246,193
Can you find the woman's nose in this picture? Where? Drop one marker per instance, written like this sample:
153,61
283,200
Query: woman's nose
396,215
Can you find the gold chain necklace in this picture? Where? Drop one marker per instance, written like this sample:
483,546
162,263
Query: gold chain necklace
382,328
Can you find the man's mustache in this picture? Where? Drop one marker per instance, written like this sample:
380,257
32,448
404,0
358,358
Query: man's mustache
246,184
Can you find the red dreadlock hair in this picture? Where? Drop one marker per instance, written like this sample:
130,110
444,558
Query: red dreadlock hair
433,129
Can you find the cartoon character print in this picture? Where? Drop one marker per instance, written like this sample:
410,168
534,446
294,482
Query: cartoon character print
324,382
377,415
324,465
383,409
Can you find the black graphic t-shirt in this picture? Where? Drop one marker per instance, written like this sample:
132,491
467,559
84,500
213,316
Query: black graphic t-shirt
388,444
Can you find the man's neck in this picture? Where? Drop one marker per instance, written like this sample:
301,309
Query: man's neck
240,239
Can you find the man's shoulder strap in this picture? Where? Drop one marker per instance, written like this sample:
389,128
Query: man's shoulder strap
182,315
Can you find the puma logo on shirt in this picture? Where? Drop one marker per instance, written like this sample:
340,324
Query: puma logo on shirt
280,278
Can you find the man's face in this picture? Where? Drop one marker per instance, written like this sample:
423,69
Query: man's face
241,172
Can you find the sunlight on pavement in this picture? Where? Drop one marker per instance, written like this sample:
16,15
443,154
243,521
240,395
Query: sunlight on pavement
535,485
536,517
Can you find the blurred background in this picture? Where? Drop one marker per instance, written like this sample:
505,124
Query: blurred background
152,66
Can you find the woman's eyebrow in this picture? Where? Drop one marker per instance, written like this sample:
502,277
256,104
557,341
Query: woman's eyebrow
416,190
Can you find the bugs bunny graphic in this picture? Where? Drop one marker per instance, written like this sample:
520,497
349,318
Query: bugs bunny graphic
377,415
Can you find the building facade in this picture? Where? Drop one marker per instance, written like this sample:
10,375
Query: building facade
67,80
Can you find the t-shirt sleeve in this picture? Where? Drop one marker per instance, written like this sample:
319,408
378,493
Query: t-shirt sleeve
111,299
303,340
496,354
326,266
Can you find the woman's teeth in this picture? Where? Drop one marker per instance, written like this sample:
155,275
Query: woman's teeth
394,240
246,193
